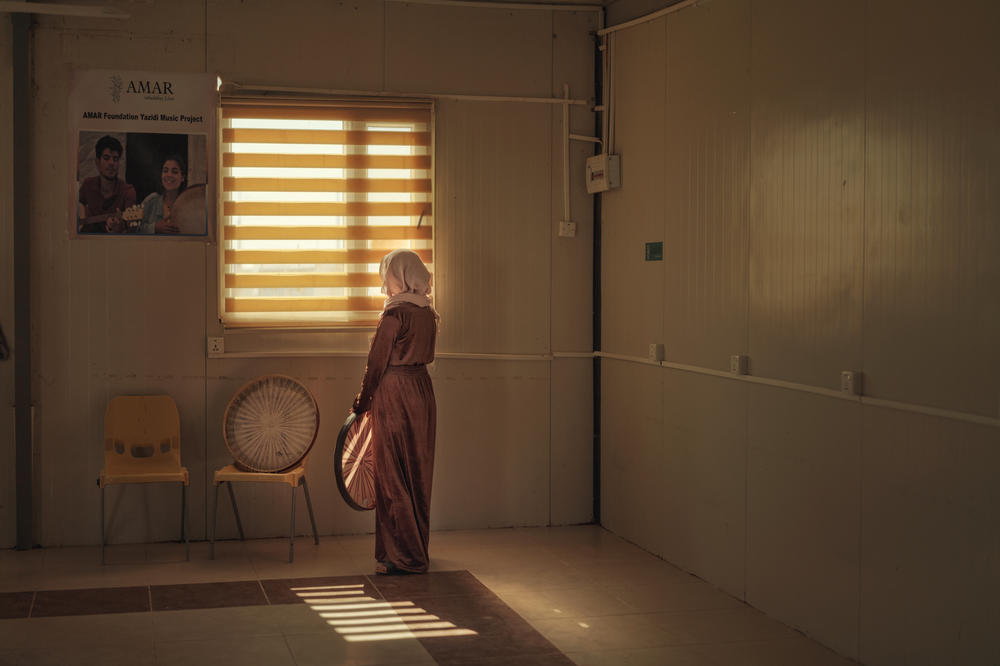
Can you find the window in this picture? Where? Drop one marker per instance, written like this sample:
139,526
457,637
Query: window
314,194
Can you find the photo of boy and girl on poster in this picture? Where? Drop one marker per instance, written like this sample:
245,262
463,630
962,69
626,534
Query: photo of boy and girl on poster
141,183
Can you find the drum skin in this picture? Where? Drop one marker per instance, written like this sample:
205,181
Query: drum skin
270,424
353,462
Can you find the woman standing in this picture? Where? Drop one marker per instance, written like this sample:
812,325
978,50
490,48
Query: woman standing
398,391
156,207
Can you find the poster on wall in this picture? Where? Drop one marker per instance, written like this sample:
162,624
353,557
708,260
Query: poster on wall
144,154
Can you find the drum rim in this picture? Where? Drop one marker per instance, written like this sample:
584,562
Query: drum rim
338,463
241,391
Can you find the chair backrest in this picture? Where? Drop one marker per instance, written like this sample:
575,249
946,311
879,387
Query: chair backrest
142,434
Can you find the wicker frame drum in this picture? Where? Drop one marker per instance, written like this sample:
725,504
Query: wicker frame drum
270,424
354,462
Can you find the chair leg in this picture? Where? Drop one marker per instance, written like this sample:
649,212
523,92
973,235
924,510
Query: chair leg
215,520
309,505
102,524
236,512
184,518
291,531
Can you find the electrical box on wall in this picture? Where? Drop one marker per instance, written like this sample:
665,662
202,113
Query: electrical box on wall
604,172
851,381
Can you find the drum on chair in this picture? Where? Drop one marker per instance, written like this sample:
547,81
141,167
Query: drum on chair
270,424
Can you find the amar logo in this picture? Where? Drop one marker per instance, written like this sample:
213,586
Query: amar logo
116,88
147,88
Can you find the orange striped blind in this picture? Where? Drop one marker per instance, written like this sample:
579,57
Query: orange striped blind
314,194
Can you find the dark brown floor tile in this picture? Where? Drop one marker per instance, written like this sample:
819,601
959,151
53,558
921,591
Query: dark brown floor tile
483,613
15,604
207,595
280,591
435,583
541,659
502,636
524,644
50,603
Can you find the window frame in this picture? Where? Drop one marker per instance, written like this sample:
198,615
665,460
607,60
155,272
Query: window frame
374,244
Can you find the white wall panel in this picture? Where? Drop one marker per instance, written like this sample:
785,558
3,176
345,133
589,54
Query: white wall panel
633,461
185,21
8,485
492,462
573,63
706,184
305,43
704,477
807,189
632,288
436,48
112,317
930,585
620,11
932,241
572,298
151,309
803,506
572,258
572,442
493,242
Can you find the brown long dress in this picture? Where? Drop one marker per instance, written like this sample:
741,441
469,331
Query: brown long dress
398,390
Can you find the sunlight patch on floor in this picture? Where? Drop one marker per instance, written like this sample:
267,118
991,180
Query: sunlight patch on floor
359,617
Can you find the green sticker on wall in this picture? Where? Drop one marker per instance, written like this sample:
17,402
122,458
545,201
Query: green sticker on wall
654,251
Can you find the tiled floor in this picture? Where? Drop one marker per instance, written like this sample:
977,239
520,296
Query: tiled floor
520,596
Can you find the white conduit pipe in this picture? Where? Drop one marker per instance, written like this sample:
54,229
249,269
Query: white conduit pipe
461,356
817,390
966,417
567,135
649,17
605,99
566,217
610,55
62,9
504,5
263,88
326,353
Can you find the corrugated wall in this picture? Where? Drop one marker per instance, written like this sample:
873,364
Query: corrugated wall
806,190
932,203
823,181
931,500
130,316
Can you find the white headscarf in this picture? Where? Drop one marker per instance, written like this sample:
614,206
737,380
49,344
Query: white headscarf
405,279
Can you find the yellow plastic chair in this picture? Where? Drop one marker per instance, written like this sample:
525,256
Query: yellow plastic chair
142,444
293,477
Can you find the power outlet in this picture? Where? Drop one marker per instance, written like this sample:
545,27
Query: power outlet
567,229
850,381
216,345
739,364
656,352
